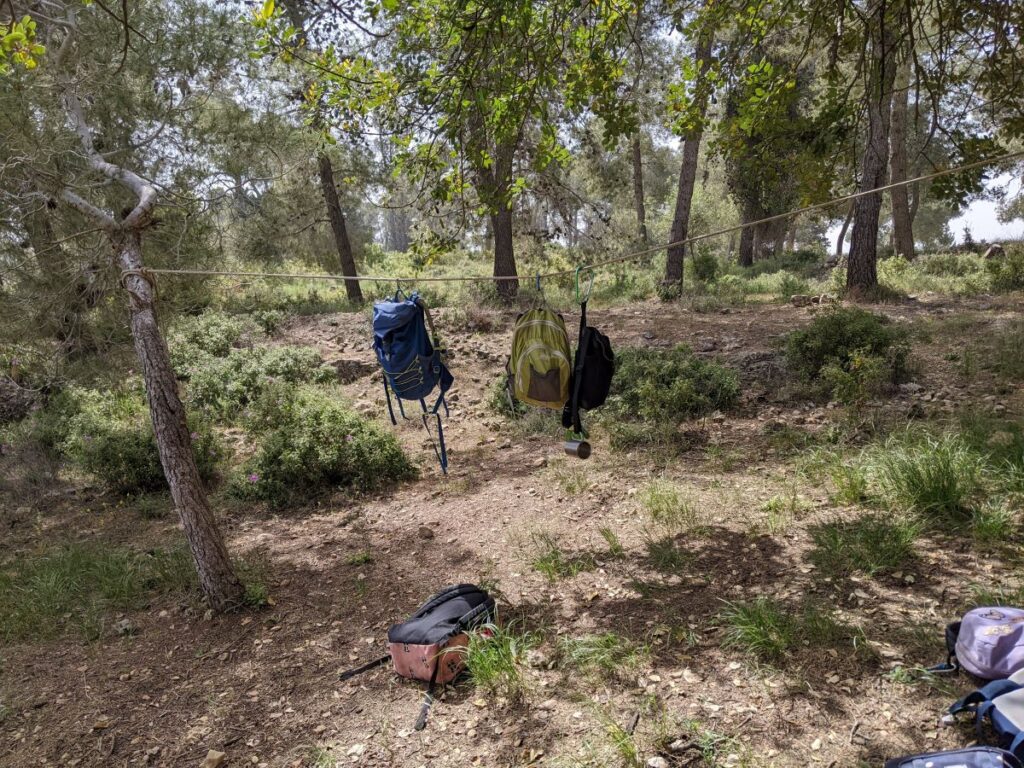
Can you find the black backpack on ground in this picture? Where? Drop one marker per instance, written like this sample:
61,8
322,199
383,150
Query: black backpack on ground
430,644
591,373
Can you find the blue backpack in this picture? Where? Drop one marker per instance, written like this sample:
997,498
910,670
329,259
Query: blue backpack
1001,702
413,365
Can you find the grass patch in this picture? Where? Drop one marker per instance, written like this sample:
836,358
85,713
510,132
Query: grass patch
870,545
77,586
550,560
666,505
321,757
573,480
606,655
495,658
359,558
986,594
936,477
615,548
768,631
993,524
664,555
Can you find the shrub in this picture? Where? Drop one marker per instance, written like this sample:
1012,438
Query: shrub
225,385
1006,356
950,264
852,352
111,437
871,545
937,477
664,388
705,266
193,339
308,442
1007,273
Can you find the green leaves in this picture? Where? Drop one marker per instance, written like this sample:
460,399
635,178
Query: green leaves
18,45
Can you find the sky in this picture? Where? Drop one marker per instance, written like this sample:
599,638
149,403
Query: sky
981,216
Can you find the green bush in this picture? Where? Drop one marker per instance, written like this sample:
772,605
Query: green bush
192,340
224,385
851,351
111,437
665,387
1007,273
309,442
950,264
705,266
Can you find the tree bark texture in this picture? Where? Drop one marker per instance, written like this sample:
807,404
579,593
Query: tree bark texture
346,261
862,266
747,237
902,222
638,189
688,171
504,256
216,575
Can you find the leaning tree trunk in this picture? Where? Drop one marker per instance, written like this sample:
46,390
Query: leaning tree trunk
841,240
346,261
217,579
638,190
216,575
688,169
862,266
902,222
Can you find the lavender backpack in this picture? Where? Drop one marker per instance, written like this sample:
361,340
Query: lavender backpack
987,642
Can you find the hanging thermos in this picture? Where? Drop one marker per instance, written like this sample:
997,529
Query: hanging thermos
578,448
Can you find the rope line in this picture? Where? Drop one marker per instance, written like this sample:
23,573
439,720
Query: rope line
593,265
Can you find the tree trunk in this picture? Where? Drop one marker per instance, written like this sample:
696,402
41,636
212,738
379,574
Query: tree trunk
861,270
902,227
638,190
791,237
841,240
504,257
346,262
747,245
688,170
216,575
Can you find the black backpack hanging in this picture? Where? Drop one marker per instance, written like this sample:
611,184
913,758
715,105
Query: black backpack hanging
592,370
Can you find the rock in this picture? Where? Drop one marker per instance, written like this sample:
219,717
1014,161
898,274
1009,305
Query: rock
910,388
425,532
125,627
679,746
657,762
648,335
548,704
540,462
994,252
536,658
101,724
707,346
801,300
718,417
213,759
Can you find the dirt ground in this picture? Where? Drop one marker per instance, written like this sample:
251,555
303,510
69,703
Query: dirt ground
263,686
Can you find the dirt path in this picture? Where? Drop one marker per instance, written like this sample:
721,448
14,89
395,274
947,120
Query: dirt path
263,686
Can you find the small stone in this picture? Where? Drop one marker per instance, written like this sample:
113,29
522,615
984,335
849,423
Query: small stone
425,532
356,750
102,723
718,417
657,762
816,745
125,627
679,746
910,388
548,704
214,759
540,462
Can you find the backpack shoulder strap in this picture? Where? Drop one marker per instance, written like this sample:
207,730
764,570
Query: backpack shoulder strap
473,617
984,694
350,673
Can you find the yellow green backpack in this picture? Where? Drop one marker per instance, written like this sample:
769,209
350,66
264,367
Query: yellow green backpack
541,361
